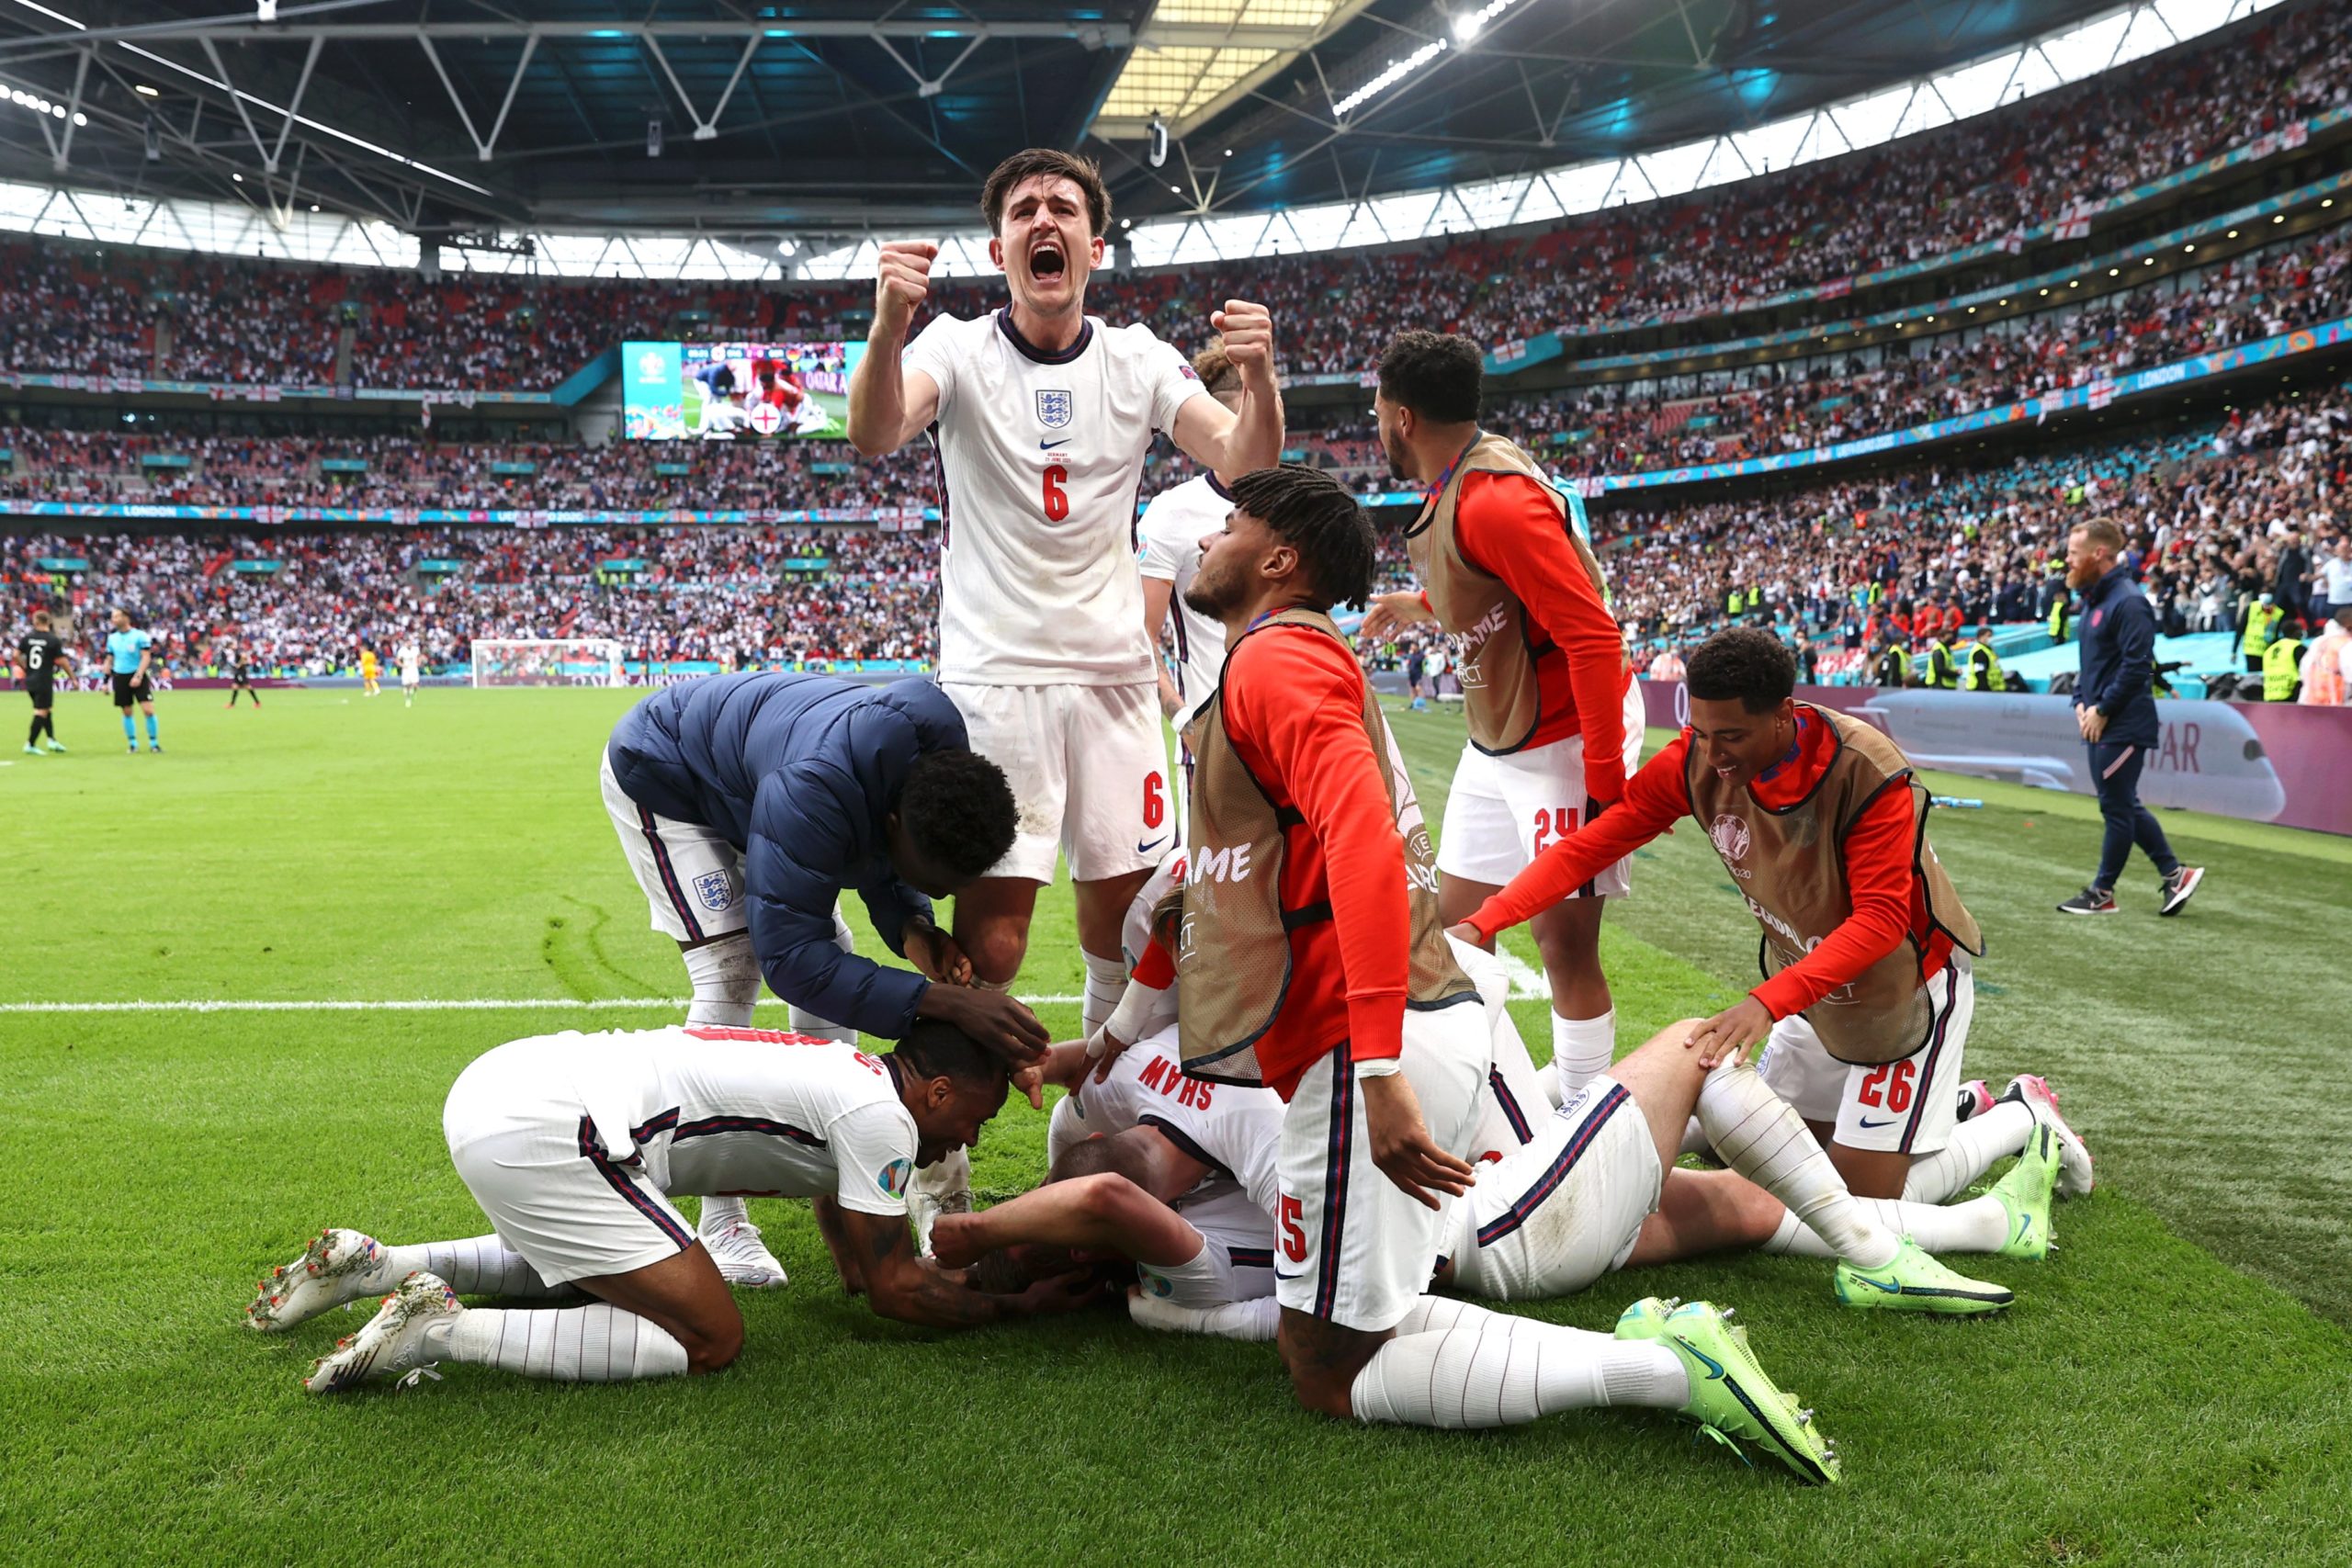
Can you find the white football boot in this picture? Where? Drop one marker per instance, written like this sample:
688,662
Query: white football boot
338,1266
2035,1094
743,1259
407,1334
944,1187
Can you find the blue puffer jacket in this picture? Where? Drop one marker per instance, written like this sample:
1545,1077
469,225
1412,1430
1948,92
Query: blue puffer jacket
799,772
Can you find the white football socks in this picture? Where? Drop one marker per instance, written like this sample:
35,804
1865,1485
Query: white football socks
1547,1078
1980,1224
1456,1365
1761,1136
1977,1143
1582,1049
479,1266
726,978
717,1213
589,1344
1106,982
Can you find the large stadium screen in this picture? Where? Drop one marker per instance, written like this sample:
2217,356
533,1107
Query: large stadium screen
689,391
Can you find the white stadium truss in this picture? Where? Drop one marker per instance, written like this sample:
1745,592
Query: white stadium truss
2053,61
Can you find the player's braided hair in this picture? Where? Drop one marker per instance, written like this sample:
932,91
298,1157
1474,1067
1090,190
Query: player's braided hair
1748,665
959,809
1055,163
1314,513
1436,375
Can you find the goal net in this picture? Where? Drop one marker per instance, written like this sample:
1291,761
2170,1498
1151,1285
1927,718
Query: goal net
549,661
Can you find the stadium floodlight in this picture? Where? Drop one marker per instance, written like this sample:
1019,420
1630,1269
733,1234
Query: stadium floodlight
1398,71
265,10
547,661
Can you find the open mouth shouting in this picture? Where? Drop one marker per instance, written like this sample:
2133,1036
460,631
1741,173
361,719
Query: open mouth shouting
1047,264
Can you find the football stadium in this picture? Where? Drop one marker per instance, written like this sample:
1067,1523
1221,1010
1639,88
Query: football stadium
1290,781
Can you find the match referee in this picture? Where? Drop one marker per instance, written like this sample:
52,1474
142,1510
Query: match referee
129,654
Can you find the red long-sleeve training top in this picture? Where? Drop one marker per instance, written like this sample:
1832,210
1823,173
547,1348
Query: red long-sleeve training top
1505,525
1887,897
1294,702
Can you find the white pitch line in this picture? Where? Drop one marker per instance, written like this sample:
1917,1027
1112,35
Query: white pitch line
423,1004
1527,982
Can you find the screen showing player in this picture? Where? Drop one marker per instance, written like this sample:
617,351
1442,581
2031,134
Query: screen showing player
721,391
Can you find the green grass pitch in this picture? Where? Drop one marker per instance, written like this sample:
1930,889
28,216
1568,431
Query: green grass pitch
2170,1388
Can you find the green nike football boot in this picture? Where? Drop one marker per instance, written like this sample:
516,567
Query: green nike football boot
1730,1394
1917,1282
2025,1195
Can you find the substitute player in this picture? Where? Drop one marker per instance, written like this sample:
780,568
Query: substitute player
747,804
1170,553
574,1145
1555,717
130,659
411,671
39,654
1309,958
1822,825
1041,415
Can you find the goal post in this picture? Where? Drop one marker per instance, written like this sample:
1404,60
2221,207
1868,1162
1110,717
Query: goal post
547,661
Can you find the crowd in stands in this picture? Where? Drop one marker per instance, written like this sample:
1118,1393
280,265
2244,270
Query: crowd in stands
2217,514
406,472
723,595
80,309
2216,517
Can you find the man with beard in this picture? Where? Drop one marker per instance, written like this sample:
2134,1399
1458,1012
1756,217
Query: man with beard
1555,717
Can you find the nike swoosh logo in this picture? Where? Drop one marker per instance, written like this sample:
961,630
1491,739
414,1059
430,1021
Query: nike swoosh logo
1714,1368
1146,849
1878,1285
1280,1275
1049,445
1888,1123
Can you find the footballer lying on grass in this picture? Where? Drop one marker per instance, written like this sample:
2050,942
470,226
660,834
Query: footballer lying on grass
574,1145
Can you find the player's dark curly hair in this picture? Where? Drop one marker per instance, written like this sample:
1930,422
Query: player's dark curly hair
959,809
934,1048
1436,375
1747,665
1055,163
1314,513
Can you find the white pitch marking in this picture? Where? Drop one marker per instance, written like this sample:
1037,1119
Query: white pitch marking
1527,982
426,1004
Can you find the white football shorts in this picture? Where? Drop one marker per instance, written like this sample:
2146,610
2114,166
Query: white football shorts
1549,1219
1089,772
527,1151
1502,812
1352,1247
1903,1107
693,878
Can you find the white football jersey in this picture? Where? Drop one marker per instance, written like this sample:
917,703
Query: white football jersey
756,1111
1232,1127
1173,526
1043,462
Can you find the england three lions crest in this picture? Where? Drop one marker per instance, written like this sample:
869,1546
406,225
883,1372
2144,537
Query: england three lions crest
1055,408
716,890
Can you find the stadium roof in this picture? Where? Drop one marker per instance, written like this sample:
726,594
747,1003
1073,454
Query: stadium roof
767,126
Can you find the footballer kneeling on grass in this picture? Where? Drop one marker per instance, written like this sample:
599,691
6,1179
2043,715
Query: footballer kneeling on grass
575,1145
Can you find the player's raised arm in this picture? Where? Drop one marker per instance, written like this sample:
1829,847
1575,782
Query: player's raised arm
1234,442
889,406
